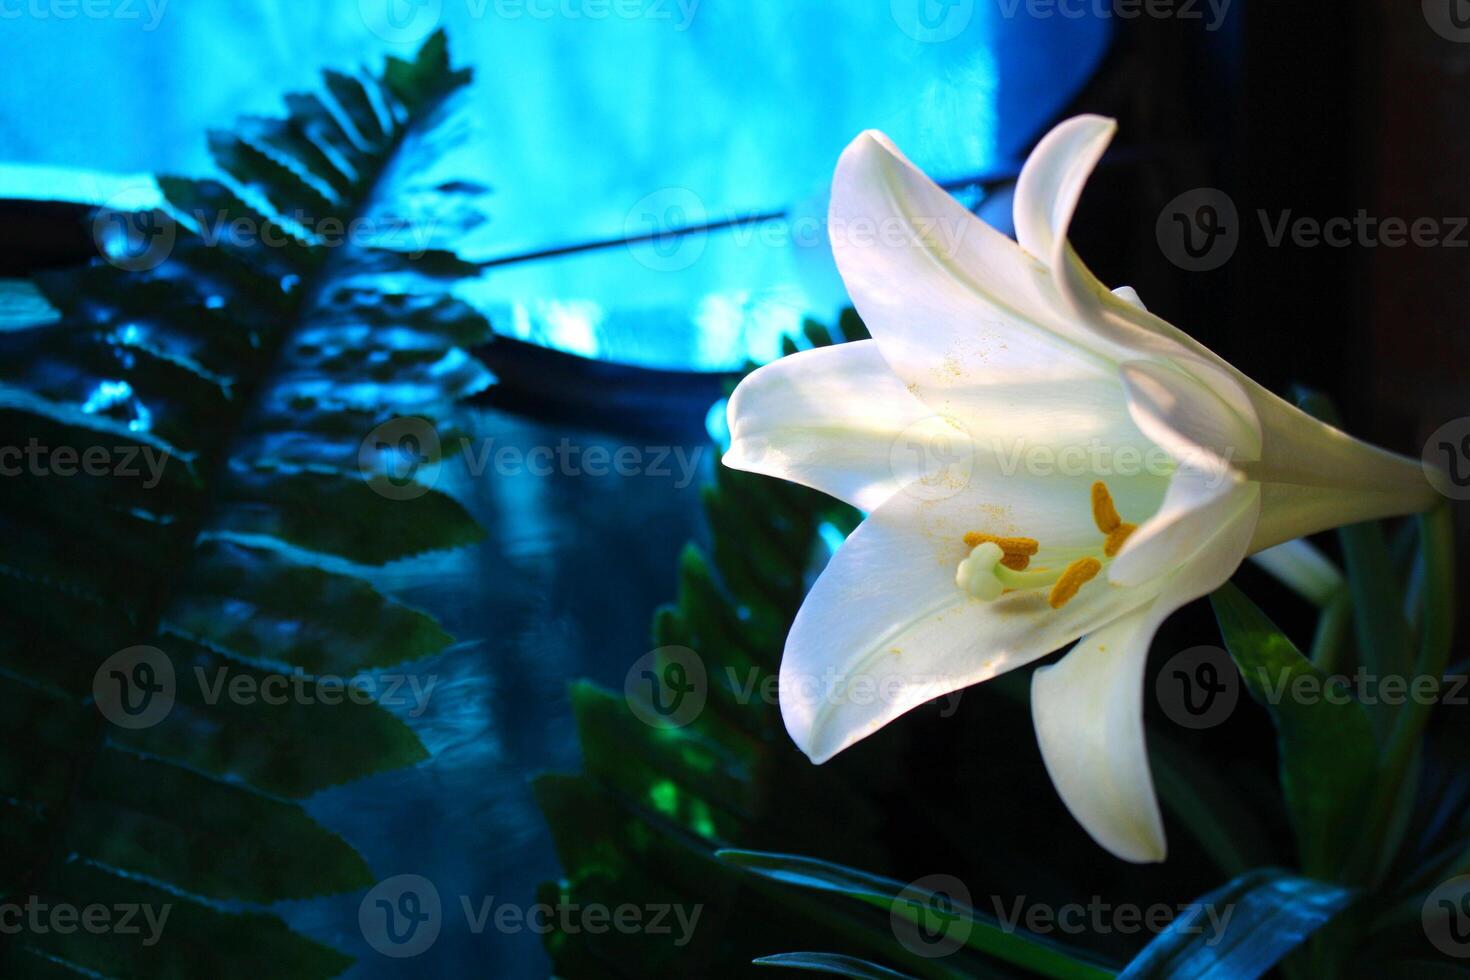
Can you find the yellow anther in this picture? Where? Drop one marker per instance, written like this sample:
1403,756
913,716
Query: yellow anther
1104,514
1015,562
1077,574
1011,546
1117,538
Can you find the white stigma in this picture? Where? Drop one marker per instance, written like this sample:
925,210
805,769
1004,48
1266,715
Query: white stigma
976,574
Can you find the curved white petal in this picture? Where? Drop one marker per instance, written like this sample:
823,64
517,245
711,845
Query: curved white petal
1052,179
1088,707
1199,501
831,418
1047,193
1203,434
1088,712
962,314
885,628
1185,416
1130,296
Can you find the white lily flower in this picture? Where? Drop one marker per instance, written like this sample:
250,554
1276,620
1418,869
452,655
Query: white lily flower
1016,352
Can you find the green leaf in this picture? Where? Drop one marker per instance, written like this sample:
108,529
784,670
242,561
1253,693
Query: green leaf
986,934
1240,930
832,963
252,354
184,938
1328,752
262,607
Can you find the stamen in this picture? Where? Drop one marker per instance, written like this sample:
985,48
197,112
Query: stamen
1077,574
1011,546
1104,514
1117,538
1015,562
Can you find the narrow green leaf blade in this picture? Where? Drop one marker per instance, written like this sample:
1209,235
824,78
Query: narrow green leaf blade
1240,930
833,963
987,934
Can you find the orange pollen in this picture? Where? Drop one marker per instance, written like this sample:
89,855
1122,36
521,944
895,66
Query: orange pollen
1016,563
1011,546
1104,514
1117,538
1076,575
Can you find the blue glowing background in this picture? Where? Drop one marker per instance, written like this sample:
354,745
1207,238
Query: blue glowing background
590,130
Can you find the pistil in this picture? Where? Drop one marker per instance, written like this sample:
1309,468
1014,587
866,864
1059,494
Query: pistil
998,564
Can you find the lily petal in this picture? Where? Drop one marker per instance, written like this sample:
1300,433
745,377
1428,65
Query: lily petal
1198,502
1297,450
885,629
1052,179
829,418
1088,711
1185,416
963,316
1047,194
1202,434
1088,707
